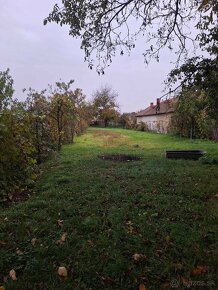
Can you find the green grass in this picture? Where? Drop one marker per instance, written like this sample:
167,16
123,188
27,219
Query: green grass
164,210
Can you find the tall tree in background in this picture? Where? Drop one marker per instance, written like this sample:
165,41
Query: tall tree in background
66,109
6,89
37,107
83,112
108,26
60,110
191,118
128,120
104,105
200,74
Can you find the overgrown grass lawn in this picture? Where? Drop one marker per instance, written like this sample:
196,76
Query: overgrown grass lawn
116,225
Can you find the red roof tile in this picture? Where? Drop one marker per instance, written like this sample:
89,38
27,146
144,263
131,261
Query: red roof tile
166,106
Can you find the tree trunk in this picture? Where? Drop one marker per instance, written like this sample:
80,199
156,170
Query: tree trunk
59,125
38,142
105,123
192,129
215,133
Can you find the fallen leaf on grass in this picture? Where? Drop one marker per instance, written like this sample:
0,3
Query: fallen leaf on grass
19,252
62,239
64,236
2,288
139,257
2,243
60,222
33,241
199,270
142,287
90,242
159,253
213,197
12,274
156,214
62,272
130,228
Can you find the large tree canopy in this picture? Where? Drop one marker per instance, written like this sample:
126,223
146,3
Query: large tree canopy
108,26
6,89
198,76
104,105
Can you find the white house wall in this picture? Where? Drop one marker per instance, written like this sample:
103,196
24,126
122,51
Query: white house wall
157,123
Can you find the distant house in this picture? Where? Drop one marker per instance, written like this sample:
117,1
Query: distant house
157,117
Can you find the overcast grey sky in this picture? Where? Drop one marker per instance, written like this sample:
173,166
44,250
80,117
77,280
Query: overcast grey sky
39,55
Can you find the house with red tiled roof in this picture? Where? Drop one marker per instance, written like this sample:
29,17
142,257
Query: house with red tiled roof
157,117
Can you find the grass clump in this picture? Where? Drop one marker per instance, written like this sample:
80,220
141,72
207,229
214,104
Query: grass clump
209,159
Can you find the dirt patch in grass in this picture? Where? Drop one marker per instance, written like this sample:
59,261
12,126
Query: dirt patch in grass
16,198
105,133
120,158
108,138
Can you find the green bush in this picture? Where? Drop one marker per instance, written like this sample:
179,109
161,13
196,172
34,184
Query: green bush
30,131
142,127
17,164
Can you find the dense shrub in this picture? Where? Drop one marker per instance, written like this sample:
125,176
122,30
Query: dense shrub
193,116
17,162
31,130
128,120
142,127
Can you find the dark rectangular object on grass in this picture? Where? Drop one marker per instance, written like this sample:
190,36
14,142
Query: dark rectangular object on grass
185,154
